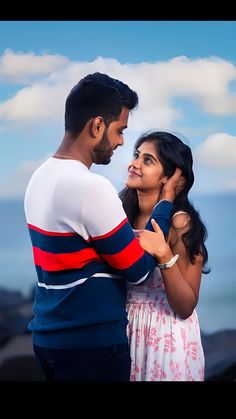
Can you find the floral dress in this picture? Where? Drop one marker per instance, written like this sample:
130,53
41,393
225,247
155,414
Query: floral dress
163,346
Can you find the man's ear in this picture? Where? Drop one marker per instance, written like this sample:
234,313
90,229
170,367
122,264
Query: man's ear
97,127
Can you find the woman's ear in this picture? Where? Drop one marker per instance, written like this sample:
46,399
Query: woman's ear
164,180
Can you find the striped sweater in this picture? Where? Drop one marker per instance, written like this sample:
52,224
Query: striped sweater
84,253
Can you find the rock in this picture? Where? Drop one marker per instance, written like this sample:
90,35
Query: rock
20,368
15,314
18,362
220,355
10,298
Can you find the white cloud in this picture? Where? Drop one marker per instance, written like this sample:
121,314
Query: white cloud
218,151
205,81
49,79
22,67
39,102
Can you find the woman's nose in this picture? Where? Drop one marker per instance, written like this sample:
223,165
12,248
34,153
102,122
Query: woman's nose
135,162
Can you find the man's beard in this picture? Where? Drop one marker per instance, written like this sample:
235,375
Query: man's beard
103,150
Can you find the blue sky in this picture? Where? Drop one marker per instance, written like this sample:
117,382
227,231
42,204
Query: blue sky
183,71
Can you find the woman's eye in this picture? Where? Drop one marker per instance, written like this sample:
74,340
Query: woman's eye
147,160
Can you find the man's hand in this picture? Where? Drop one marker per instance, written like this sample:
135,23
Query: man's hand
154,242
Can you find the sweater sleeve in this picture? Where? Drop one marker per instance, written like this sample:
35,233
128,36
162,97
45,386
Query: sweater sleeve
112,235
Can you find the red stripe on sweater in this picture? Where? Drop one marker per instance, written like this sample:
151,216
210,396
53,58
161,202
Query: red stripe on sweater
60,261
51,233
104,236
126,257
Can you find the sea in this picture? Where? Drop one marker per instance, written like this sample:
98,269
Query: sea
217,301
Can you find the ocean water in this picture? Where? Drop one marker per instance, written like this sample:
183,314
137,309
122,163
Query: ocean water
217,302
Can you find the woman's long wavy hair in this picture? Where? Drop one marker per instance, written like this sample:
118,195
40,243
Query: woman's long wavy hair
172,153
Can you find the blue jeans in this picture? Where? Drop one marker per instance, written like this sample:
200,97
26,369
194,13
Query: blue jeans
110,363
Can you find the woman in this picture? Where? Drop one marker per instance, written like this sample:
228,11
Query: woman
163,327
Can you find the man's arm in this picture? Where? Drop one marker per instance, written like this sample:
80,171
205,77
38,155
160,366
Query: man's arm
112,235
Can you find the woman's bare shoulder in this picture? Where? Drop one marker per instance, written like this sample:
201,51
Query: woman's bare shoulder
180,219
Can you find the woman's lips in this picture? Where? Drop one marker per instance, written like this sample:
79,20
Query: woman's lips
133,173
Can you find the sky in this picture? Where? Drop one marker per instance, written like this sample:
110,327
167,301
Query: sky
183,71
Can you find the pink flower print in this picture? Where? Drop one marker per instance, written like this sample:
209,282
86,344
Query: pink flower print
157,373
151,285
174,368
152,307
137,369
169,342
174,317
132,377
153,341
162,303
156,344
193,350
163,310
138,336
145,333
151,336
136,310
160,283
183,335
132,371
188,376
189,323
160,312
146,299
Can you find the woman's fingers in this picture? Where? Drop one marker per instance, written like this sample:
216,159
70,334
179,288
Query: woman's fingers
156,227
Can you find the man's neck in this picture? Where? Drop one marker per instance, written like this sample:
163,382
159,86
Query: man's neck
69,149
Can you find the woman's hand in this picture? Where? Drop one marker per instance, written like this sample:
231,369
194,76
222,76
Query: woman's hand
154,243
173,186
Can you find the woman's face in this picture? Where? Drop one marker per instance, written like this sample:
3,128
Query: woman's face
145,172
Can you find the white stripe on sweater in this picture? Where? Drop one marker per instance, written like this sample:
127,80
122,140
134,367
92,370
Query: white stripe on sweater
79,281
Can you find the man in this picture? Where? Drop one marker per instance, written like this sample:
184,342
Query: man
84,248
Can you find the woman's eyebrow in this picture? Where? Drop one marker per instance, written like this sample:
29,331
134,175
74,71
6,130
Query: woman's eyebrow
150,155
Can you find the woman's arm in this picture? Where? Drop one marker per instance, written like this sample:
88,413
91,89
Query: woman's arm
182,280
